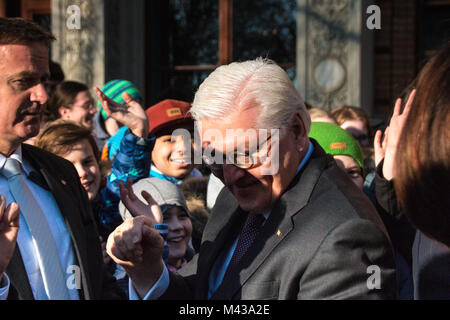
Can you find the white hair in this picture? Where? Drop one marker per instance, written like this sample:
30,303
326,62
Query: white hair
261,82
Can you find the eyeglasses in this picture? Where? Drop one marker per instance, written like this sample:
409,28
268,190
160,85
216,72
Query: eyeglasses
243,160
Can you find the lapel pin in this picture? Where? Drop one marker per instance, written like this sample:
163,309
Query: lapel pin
279,233
63,182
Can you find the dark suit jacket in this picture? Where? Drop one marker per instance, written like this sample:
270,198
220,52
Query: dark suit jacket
431,269
318,242
430,260
60,177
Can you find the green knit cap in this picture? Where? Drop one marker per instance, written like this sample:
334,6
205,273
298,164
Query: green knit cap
336,141
114,89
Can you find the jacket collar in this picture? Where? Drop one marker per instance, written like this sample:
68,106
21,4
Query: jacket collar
50,179
277,227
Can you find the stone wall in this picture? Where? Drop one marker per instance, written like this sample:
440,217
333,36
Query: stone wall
80,51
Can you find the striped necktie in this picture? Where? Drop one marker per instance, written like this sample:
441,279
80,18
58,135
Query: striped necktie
54,276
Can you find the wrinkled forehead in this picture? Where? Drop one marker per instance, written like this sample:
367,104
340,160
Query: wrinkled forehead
228,136
28,58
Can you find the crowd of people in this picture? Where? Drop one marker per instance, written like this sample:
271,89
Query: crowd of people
276,200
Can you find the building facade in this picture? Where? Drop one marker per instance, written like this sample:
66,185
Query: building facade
338,52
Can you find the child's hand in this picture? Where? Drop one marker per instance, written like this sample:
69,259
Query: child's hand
138,208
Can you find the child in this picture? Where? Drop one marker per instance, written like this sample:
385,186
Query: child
342,146
76,144
104,125
175,214
171,158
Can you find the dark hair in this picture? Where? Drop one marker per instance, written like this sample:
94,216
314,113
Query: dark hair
64,95
60,136
21,31
423,156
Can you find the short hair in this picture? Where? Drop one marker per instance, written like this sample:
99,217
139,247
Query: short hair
21,31
345,113
260,81
58,137
319,113
64,95
423,156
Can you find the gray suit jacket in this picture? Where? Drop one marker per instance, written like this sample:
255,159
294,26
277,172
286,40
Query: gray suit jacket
318,243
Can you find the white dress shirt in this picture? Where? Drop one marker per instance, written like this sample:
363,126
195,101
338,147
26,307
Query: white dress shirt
26,242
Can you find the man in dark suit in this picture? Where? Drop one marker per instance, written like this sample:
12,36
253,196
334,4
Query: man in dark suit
288,225
52,182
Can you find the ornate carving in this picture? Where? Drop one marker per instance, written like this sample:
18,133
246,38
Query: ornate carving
328,38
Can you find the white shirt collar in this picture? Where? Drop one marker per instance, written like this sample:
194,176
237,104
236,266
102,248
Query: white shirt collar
17,154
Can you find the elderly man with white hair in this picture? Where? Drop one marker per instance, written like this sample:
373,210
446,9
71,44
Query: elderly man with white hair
289,224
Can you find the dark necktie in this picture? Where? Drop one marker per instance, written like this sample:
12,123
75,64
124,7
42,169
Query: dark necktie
247,236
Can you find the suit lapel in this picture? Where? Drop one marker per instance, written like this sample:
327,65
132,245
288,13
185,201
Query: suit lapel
226,220
277,227
37,178
18,276
63,195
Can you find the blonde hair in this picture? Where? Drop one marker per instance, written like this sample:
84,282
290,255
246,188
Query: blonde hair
318,113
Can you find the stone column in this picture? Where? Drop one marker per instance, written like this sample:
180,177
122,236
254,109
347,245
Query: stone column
80,51
331,54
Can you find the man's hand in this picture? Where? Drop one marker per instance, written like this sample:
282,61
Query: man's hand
9,227
138,208
396,125
131,115
106,258
137,246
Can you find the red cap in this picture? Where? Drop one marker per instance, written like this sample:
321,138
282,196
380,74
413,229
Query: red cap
168,114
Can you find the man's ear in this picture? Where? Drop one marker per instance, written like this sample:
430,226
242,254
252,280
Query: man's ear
63,112
299,130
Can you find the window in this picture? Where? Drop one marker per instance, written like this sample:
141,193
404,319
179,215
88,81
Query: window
189,39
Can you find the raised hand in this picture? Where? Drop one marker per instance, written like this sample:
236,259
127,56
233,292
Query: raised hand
396,125
138,208
380,146
9,227
131,115
137,246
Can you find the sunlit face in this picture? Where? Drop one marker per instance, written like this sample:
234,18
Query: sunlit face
172,157
351,167
180,231
254,189
358,130
82,110
83,158
23,72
